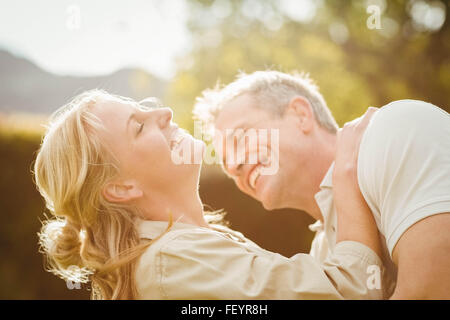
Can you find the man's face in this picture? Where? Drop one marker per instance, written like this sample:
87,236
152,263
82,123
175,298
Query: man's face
278,137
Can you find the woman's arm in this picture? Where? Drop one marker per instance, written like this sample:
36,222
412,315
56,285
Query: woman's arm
354,218
204,264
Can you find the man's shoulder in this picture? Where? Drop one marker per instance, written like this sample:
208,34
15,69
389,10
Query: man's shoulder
399,139
403,113
402,120
410,103
403,139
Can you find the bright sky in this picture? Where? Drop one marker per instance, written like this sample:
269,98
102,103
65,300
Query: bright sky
82,37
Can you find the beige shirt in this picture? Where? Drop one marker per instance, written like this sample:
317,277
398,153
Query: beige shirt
191,262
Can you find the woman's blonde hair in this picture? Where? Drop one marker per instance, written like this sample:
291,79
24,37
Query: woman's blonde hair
88,238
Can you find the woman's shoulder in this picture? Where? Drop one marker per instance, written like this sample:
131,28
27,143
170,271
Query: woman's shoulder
193,238
189,255
184,239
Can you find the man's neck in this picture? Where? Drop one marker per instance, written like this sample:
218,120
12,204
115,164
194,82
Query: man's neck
314,211
324,157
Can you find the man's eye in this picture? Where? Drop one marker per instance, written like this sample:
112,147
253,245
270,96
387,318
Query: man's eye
242,134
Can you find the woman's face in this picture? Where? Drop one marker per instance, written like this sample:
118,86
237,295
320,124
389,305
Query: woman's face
148,146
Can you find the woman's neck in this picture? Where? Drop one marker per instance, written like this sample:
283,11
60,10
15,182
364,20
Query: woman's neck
190,211
184,207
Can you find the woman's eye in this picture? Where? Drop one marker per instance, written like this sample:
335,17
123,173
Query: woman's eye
140,128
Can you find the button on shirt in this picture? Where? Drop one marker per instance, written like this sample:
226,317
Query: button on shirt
191,262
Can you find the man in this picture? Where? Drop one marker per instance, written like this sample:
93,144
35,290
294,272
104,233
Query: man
403,171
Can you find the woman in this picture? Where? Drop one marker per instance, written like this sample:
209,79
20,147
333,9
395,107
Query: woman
106,171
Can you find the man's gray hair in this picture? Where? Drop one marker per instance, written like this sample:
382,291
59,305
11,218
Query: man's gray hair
272,90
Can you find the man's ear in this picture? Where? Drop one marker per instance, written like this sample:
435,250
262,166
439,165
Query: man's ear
302,110
122,191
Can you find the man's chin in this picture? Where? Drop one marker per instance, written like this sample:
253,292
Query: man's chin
267,207
267,200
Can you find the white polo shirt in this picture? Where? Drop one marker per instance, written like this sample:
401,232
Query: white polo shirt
404,165
403,174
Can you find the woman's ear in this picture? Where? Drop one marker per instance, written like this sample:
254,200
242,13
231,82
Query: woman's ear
302,110
122,192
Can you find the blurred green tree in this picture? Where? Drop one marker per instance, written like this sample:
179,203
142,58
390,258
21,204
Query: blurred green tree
355,66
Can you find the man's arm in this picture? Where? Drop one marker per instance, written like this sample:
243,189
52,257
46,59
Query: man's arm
423,258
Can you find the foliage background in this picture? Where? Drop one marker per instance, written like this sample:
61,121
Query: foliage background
354,66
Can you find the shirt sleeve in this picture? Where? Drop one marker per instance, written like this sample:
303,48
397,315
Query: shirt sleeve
319,246
205,265
404,166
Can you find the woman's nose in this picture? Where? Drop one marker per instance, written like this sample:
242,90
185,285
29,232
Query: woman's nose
165,115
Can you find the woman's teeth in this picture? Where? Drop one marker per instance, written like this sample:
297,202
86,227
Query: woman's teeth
177,138
254,176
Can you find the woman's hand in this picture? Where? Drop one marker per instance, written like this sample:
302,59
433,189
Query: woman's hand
355,220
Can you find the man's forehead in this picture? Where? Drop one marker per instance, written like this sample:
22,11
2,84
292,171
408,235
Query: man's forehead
241,112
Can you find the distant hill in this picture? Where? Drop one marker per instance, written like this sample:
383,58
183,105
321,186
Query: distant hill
24,87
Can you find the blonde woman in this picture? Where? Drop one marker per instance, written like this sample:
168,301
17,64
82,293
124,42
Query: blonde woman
129,220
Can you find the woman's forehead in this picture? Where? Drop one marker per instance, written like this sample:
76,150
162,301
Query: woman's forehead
113,115
110,109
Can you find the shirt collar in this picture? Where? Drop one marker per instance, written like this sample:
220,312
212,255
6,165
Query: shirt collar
149,229
324,200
